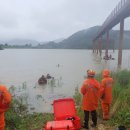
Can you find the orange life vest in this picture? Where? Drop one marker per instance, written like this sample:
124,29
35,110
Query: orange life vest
90,91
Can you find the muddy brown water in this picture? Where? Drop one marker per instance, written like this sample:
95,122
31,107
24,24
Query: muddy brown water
68,67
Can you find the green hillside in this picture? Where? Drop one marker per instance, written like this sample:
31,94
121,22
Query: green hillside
83,40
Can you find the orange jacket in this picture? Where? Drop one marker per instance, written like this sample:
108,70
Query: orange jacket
106,89
5,99
90,91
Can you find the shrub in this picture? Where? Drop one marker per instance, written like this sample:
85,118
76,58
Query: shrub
123,77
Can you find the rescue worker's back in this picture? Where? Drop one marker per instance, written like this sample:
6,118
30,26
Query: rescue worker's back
90,91
106,93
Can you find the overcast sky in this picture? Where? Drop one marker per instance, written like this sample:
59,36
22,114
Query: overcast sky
46,20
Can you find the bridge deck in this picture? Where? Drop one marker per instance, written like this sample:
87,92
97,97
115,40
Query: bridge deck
121,11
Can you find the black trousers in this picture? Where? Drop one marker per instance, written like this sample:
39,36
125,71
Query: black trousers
86,117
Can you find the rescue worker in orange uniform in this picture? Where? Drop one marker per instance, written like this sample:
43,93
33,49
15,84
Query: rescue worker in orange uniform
106,93
5,99
90,91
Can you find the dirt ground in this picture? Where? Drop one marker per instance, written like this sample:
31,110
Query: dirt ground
103,125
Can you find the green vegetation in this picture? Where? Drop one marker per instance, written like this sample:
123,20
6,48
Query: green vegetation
18,118
120,110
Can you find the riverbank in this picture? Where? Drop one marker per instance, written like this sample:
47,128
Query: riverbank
17,118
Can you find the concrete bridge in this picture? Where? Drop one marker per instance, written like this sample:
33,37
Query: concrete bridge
118,15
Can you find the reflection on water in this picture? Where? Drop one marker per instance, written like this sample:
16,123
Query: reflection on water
22,68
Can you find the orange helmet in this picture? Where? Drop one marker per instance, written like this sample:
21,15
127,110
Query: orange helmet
106,73
91,73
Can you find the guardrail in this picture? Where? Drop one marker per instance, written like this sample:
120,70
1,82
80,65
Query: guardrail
112,16
115,11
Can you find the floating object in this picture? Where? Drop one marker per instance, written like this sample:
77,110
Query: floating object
42,80
48,76
108,58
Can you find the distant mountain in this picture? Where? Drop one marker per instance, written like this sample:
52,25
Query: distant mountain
83,40
114,35
1,48
80,40
48,45
58,40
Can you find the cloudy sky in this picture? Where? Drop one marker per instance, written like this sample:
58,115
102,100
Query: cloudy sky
45,20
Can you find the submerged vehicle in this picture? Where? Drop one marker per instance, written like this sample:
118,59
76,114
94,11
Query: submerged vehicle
106,57
42,80
48,76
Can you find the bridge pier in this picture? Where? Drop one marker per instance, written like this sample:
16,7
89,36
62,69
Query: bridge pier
120,12
97,47
100,46
107,43
121,41
93,47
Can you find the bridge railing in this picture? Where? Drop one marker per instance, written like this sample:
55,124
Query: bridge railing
113,14
115,11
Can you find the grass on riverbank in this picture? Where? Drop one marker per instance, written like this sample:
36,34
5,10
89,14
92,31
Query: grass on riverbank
17,117
34,121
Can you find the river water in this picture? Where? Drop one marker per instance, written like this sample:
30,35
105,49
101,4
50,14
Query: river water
23,67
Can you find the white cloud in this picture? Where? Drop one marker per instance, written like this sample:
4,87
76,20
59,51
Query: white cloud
50,19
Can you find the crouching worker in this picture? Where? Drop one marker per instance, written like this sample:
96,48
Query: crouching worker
106,93
5,99
90,91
